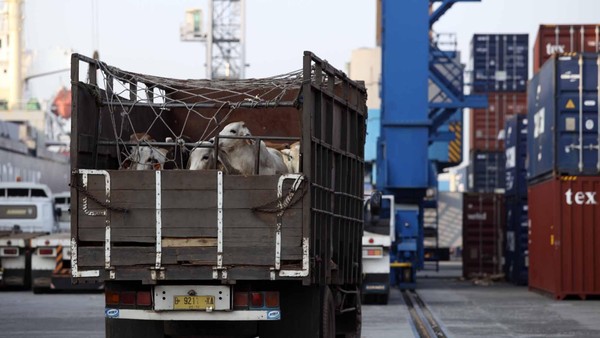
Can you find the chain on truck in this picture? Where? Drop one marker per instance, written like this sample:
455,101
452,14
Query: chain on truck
219,251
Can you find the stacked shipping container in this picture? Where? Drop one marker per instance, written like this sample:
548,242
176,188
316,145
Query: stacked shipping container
499,63
500,70
482,234
564,163
516,250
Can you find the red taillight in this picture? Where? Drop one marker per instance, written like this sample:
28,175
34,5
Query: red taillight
240,300
128,298
112,298
272,299
257,299
10,252
371,240
46,252
144,298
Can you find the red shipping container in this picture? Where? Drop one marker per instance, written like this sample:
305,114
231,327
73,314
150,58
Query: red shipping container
485,124
482,234
564,236
559,39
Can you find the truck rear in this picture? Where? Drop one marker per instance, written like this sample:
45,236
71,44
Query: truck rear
208,252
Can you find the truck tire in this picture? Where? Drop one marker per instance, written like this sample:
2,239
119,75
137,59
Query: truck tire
327,314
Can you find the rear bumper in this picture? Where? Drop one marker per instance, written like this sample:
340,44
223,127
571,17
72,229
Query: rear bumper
45,279
239,315
13,277
376,283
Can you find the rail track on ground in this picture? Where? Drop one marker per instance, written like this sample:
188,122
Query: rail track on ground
423,320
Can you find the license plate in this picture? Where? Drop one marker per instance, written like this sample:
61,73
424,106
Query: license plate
193,302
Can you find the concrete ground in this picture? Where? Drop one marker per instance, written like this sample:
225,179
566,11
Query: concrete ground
502,309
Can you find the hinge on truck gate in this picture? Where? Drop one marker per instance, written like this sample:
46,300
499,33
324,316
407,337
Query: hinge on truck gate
223,273
157,274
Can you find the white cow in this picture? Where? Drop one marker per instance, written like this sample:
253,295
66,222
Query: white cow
291,157
242,153
144,157
202,158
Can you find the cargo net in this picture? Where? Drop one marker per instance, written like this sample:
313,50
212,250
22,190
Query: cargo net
209,103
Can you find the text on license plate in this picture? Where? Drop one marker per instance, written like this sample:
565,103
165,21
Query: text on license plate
193,302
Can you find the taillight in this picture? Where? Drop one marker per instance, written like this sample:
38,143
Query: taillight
45,252
128,298
112,298
257,299
372,252
272,299
144,298
240,300
10,252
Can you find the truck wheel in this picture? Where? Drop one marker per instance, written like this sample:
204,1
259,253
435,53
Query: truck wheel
327,314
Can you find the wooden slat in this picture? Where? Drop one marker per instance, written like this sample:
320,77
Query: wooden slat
189,242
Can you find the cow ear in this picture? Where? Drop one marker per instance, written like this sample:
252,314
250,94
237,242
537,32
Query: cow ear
156,166
126,164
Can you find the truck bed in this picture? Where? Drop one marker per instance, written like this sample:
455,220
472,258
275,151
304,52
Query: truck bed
189,225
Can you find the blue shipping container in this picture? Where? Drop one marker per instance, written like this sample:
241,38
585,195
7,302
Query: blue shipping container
563,117
516,155
516,255
486,172
499,62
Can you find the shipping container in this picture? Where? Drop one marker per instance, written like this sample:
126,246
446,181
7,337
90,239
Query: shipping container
516,254
486,172
560,39
563,118
482,234
499,62
486,124
516,156
564,242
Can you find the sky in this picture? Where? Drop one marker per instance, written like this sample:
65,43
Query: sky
143,35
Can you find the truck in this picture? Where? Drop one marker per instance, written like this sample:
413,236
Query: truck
208,252
378,236
26,212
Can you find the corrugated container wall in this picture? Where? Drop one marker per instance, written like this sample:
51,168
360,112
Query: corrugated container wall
499,62
563,117
486,124
516,254
482,234
564,244
516,156
560,39
486,172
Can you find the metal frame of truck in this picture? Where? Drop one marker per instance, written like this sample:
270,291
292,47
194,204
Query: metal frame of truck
157,237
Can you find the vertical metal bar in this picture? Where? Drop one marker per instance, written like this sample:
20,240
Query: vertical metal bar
580,112
158,219
75,146
107,240
572,39
133,91
219,219
257,144
582,32
307,160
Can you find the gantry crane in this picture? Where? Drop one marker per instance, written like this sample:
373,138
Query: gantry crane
422,100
